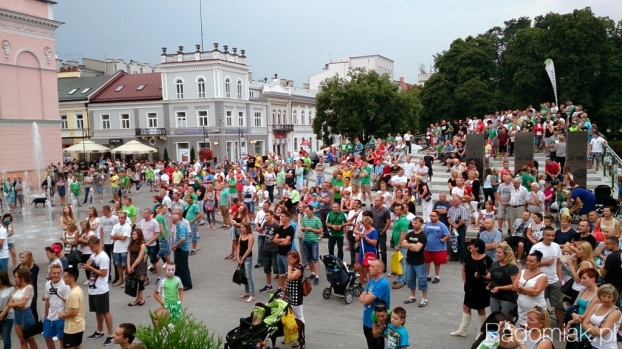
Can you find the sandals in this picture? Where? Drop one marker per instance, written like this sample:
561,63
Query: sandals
250,299
245,295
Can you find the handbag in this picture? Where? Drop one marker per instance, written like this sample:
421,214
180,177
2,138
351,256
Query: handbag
132,285
239,275
290,327
367,256
396,263
74,257
567,287
33,330
306,286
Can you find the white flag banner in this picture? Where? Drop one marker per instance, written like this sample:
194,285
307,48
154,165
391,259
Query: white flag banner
550,70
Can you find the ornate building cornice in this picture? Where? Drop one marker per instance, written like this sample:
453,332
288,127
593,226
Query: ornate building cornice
30,25
28,123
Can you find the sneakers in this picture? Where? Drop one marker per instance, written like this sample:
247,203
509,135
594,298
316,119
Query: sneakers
193,252
108,340
311,277
397,286
436,280
86,282
118,283
266,288
95,335
258,266
316,280
410,300
429,278
423,303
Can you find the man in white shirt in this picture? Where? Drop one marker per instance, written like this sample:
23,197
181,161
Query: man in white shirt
422,170
165,178
596,150
535,199
399,180
260,219
151,234
55,295
4,244
518,198
250,197
106,223
407,140
551,266
408,166
99,295
121,235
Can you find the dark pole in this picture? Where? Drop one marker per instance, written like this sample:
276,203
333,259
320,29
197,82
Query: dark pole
201,17
83,145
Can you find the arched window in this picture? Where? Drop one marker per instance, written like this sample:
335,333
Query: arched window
302,117
179,87
296,144
310,117
273,117
279,117
239,88
201,87
285,116
295,117
227,88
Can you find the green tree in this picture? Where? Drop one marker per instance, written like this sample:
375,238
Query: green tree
166,158
185,333
193,155
366,104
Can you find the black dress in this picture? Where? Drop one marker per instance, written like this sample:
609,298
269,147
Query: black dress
476,296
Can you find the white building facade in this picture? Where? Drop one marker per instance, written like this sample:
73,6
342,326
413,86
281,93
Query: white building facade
341,67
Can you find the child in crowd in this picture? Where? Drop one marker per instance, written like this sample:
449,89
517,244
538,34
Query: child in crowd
396,333
170,292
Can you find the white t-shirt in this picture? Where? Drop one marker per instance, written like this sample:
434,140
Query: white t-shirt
4,249
248,192
552,251
409,168
57,294
120,246
99,284
406,137
422,171
164,178
149,228
399,179
359,217
106,224
597,144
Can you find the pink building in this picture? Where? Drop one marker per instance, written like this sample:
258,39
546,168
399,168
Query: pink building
28,90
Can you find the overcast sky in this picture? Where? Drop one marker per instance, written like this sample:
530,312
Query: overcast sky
293,38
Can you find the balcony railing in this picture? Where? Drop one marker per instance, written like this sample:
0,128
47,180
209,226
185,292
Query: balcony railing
74,133
151,131
283,128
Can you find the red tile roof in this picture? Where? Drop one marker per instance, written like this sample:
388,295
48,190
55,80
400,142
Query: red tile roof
152,89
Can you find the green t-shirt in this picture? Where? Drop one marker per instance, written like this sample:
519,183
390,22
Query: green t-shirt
313,223
492,133
75,188
336,219
231,183
162,220
130,211
372,140
126,183
224,198
366,179
169,290
307,162
350,146
343,147
401,225
194,197
390,139
526,180
193,211
149,173
337,183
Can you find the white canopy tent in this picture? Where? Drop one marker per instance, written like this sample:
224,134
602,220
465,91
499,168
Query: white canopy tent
86,146
134,147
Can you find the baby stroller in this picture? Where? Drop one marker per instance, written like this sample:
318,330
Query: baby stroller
604,198
343,282
255,330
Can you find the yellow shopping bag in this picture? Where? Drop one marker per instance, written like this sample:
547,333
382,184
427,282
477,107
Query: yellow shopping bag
290,327
396,263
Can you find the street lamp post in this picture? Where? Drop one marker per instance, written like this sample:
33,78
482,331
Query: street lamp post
205,138
240,140
83,145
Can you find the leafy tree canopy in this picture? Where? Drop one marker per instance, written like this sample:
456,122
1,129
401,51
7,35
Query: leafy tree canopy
366,104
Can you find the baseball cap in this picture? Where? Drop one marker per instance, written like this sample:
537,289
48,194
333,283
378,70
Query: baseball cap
314,194
54,248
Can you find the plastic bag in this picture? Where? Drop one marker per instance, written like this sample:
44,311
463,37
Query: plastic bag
290,327
396,263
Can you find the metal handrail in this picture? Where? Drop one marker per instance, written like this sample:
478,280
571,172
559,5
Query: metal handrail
611,165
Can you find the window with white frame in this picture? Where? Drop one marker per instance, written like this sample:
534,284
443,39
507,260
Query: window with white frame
278,117
252,94
152,120
105,121
227,88
295,116
229,118
202,118
285,116
310,117
125,121
181,119
239,89
179,87
63,122
258,119
273,117
201,87
241,118
302,117
79,121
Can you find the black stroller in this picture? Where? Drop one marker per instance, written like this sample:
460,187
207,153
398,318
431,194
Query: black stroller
343,282
604,198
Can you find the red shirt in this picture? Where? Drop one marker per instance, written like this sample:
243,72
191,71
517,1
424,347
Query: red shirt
553,167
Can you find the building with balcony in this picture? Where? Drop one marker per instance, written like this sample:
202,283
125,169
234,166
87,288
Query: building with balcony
341,67
209,103
74,95
97,67
28,85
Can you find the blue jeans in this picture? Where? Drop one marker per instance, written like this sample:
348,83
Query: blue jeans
86,195
311,249
416,275
281,262
319,180
6,327
401,279
4,264
260,241
194,233
248,266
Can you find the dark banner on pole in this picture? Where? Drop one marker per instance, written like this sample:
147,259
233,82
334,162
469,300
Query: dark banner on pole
523,151
475,151
576,155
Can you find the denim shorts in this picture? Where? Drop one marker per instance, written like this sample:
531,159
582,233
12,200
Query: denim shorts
53,328
416,274
152,251
23,317
120,258
4,264
281,262
311,250
194,233
165,248
250,206
12,244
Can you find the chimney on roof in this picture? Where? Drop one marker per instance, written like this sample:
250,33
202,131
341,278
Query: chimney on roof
306,86
290,83
198,47
215,46
226,47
